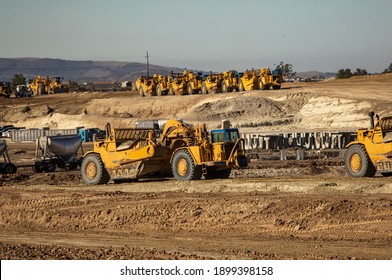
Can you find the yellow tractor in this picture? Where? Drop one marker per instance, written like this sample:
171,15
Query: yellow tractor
248,81
212,83
40,86
372,151
268,79
178,83
164,147
5,89
230,81
145,86
194,82
56,85
162,84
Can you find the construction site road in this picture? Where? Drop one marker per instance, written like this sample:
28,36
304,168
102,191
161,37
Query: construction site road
308,217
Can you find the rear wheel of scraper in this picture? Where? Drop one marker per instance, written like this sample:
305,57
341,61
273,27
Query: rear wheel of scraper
9,168
94,171
358,163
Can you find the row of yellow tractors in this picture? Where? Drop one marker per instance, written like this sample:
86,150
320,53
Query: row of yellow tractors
190,82
48,85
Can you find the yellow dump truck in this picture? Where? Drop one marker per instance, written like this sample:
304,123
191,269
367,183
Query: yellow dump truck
164,147
372,151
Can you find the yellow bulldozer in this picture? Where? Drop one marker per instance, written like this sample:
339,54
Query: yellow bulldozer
268,79
5,89
372,150
164,147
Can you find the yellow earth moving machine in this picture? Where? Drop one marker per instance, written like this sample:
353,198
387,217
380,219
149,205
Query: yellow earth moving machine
195,81
5,89
145,86
248,81
39,86
162,84
230,81
268,79
212,83
56,85
178,83
164,147
372,151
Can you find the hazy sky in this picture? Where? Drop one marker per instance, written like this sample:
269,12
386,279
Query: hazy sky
323,35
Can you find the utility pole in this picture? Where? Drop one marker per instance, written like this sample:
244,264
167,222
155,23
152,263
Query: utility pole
148,66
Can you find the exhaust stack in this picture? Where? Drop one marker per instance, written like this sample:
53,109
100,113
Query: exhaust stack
371,115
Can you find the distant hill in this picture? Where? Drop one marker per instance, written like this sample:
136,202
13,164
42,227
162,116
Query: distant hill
79,71
92,71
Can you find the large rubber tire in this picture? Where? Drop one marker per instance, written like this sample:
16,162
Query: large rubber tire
184,168
94,171
224,87
158,90
217,174
9,168
171,90
357,162
189,89
38,167
262,85
141,91
240,86
49,166
204,89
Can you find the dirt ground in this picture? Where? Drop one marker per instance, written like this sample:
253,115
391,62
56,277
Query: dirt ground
271,210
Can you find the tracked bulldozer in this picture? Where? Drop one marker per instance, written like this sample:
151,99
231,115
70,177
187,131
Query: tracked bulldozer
372,150
173,147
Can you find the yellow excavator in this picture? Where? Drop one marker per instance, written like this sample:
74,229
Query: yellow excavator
186,151
372,151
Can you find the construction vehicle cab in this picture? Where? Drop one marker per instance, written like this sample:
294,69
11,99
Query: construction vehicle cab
372,151
169,147
268,79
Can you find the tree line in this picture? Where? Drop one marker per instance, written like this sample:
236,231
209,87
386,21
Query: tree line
346,73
